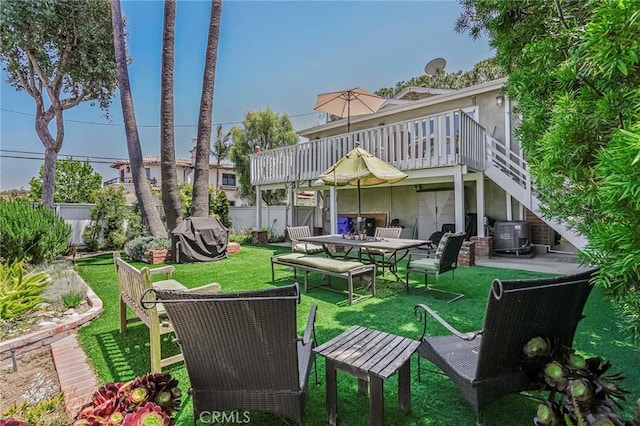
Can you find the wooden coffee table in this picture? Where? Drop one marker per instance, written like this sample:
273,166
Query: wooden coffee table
372,356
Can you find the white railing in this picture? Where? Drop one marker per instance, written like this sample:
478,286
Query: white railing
432,141
509,162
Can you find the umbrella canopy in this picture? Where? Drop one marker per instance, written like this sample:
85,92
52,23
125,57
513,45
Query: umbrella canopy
349,103
360,168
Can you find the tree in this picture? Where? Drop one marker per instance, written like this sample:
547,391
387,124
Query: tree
169,185
75,181
483,71
200,202
59,52
575,74
145,198
220,150
266,130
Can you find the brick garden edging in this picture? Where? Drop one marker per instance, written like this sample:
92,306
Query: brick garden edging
48,335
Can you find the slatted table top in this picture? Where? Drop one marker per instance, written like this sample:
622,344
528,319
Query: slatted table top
369,351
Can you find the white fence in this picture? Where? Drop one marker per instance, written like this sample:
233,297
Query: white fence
273,217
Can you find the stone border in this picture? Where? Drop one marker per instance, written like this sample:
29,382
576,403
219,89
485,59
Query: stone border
46,336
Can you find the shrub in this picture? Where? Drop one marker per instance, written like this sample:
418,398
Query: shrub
71,300
31,234
20,292
108,215
138,247
46,412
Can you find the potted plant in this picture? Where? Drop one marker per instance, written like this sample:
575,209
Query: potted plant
149,249
260,236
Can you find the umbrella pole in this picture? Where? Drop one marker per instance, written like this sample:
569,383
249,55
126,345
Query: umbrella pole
359,219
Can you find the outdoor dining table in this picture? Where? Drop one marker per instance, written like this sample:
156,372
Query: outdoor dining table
397,248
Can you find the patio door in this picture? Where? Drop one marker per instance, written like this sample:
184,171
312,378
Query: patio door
435,208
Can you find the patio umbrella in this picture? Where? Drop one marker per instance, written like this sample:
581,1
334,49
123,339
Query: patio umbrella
360,168
349,103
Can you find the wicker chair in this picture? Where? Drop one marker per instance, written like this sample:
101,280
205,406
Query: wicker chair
241,349
296,232
487,364
444,260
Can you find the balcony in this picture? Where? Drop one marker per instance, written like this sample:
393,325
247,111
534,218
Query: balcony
127,180
445,139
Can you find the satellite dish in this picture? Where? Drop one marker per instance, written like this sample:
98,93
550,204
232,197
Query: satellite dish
435,67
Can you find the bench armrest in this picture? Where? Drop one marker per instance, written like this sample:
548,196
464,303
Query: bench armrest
422,317
207,288
310,326
163,270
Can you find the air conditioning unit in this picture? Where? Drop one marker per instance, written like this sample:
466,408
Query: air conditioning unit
512,237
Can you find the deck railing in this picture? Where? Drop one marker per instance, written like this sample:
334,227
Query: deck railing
437,140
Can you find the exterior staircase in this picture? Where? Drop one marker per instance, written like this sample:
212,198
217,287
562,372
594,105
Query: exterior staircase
509,170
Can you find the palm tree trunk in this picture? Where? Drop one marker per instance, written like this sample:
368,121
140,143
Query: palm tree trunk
200,200
169,185
150,214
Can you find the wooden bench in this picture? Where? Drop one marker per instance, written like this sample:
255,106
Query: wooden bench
132,283
333,267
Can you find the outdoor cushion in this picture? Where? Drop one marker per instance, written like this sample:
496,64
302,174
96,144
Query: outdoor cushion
291,257
426,263
308,248
331,265
167,285
441,244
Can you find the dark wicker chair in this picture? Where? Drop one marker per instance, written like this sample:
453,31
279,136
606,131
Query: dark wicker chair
487,364
241,350
444,259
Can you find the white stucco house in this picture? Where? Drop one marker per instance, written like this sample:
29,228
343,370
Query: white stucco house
224,174
456,146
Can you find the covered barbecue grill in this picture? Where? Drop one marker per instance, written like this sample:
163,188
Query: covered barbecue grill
199,239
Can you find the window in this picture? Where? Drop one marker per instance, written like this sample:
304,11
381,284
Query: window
147,170
228,179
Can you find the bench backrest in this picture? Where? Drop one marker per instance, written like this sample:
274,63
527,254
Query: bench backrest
132,283
520,310
388,232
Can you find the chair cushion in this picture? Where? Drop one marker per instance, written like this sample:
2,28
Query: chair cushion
167,285
308,248
290,257
425,263
331,265
441,244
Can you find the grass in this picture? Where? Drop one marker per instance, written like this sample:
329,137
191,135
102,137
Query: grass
434,401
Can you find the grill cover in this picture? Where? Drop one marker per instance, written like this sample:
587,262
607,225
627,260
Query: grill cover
199,239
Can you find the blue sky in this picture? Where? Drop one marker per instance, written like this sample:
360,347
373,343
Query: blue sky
272,54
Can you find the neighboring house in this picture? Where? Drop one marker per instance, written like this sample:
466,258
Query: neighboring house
456,146
185,170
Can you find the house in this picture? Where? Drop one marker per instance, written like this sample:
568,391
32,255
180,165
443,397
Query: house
224,175
457,148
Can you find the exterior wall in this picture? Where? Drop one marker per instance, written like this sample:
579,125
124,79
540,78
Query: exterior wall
541,233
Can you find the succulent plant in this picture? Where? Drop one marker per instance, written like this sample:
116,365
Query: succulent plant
148,400
149,414
555,376
548,414
536,347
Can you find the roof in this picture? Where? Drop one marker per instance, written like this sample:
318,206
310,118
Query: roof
180,162
407,106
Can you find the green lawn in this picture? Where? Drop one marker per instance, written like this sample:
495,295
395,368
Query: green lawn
435,401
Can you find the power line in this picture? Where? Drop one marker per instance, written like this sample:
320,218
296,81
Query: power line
59,159
66,155
97,123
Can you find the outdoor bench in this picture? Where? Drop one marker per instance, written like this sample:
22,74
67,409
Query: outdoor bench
132,283
333,267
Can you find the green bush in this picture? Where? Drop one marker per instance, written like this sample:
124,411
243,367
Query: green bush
136,248
20,292
108,215
72,299
32,234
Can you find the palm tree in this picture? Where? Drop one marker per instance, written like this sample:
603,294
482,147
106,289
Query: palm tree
220,150
200,200
150,214
170,192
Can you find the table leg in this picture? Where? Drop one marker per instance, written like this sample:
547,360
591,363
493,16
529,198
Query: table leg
376,386
404,386
363,387
331,392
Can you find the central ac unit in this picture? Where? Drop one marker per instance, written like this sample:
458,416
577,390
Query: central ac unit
512,237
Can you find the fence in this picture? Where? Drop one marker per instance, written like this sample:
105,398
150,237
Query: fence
273,217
